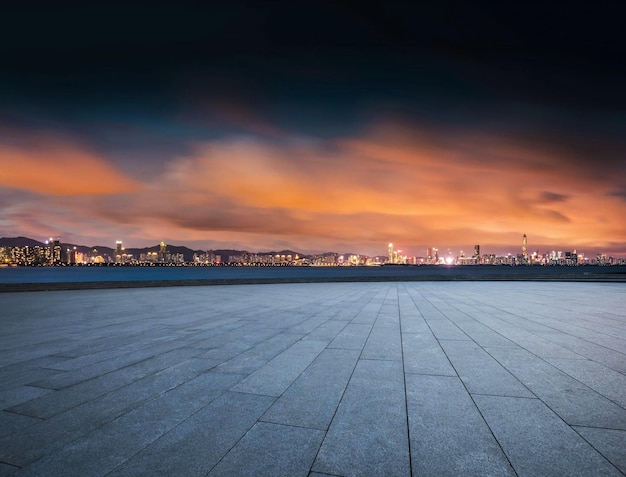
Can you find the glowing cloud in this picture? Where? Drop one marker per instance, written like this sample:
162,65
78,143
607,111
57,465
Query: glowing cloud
354,193
59,168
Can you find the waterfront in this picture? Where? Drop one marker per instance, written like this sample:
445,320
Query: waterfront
38,278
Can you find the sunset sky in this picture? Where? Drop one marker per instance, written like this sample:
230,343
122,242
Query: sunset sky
315,126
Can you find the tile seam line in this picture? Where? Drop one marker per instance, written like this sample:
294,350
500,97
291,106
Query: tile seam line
349,379
169,431
506,456
596,427
112,371
404,373
483,324
551,328
595,449
277,397
544,360
103,424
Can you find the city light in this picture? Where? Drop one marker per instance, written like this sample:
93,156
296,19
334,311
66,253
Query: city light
52,252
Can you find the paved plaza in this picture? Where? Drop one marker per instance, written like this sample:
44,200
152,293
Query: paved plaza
319,379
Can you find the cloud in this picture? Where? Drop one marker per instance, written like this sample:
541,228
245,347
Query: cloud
413,187
366,190
58,167
619,193
549,197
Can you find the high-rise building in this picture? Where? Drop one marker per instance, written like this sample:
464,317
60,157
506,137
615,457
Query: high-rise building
524,244
162,252
390,253
119,251
55,250
477,250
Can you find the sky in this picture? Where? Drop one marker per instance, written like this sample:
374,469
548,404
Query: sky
315,126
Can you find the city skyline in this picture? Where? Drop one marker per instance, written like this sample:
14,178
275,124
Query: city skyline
315,127
28,251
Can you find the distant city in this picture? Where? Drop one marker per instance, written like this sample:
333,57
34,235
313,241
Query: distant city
23,251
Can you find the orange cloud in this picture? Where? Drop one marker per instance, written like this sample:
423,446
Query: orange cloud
351,194
60,168
363,191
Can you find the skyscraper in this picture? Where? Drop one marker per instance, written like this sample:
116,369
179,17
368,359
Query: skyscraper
390,253
162,252
477,250
524,243
119,250
55,250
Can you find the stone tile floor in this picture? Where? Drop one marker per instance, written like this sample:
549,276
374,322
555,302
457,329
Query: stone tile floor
420,378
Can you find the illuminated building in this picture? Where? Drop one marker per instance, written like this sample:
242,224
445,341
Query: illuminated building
162,252
390,253
55,250
477,250
524,243
119,251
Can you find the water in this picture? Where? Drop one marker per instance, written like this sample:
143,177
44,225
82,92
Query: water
117,274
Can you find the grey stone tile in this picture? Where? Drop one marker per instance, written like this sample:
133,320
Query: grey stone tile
67,379
105,449
538,442
35,350
252,359
311,401
272,450
200,442
491,339
610,358
326,331
11,422
611,443
369,435
412,322
384,342
353,336
448,434
480,372
17,395
423,355
56,402
574,402
277,375
21,373
543,347
616,344
6,469
49,435
605,381
226,351
367,316
110,352
446,330
92,330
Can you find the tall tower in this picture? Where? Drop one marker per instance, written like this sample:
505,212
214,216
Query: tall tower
390,253
524,243
162,252
119,250
55,246
477,250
